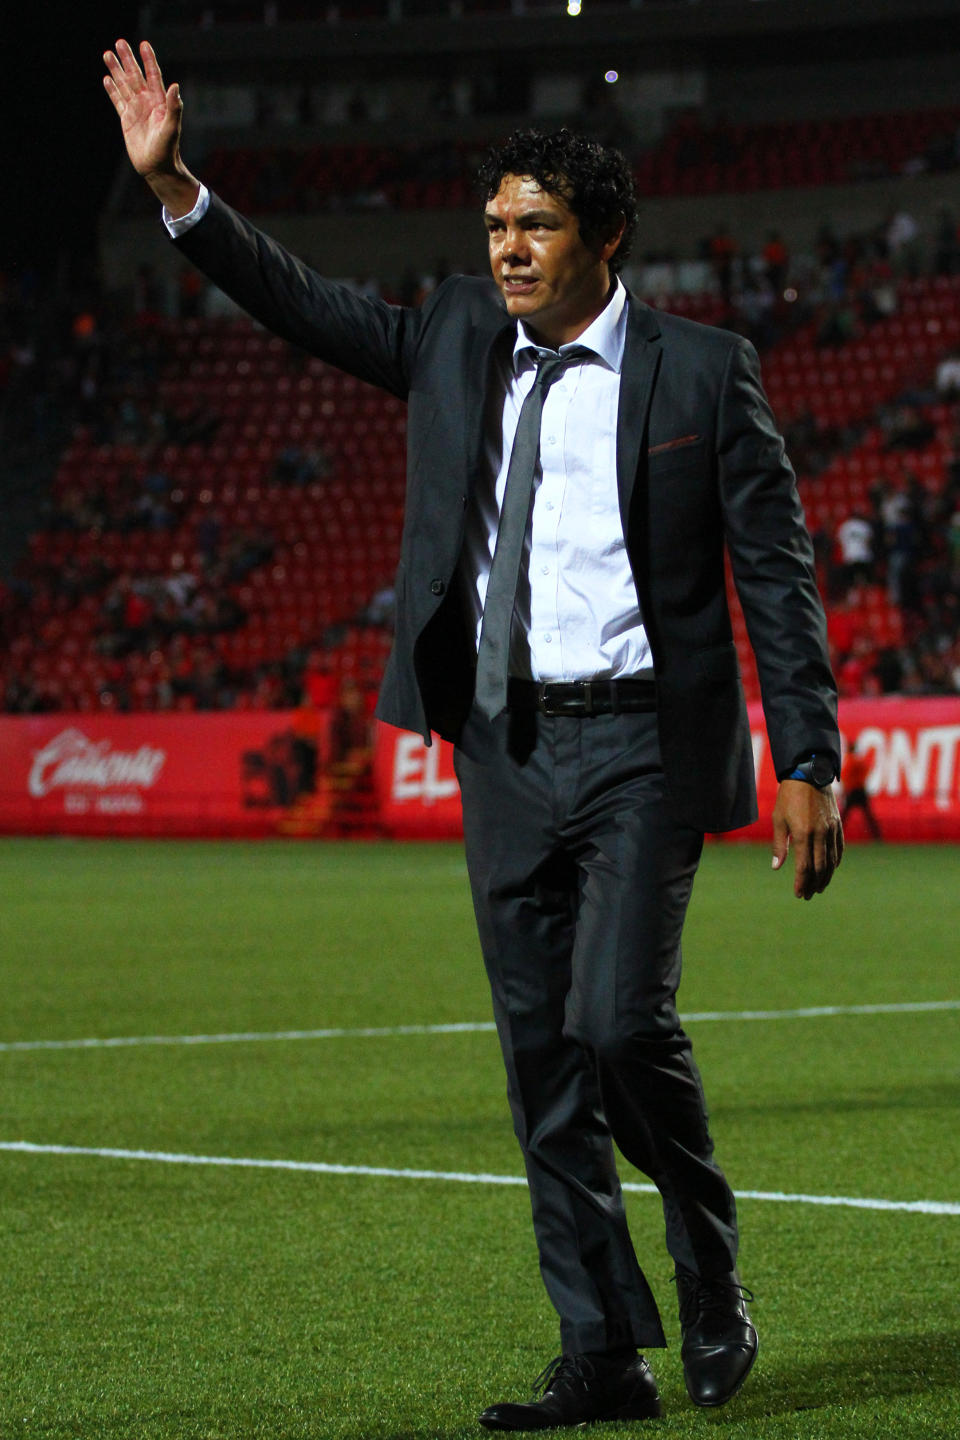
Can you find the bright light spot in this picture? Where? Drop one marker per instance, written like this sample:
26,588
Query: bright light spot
790,295
611,77
573,7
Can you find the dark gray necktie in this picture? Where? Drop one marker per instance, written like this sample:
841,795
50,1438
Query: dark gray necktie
493,654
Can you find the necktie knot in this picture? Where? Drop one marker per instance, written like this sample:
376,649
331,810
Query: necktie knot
549,364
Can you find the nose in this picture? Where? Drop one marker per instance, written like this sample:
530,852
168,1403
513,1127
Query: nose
515,249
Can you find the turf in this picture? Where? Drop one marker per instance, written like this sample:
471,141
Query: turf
155,1300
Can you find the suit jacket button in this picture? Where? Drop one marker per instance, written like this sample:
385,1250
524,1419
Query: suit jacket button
437,587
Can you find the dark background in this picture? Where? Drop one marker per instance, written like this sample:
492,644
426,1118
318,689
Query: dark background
62,138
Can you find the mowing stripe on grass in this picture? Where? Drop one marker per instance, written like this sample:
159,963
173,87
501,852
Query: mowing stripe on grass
462,1027
319,1167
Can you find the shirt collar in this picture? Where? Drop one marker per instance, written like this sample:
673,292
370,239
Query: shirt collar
606,335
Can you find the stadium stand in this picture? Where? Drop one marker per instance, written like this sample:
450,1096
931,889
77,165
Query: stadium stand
693,158
196,553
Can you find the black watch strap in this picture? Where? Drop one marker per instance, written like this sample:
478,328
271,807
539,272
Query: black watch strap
818,770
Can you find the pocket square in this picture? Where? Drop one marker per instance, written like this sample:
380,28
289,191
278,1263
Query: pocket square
674,444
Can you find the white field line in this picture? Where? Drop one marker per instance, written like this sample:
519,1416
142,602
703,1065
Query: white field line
375,1032
318,1167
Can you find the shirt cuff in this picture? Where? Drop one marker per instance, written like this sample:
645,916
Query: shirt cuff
183,223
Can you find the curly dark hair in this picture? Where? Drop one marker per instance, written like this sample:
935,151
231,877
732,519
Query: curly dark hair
594,180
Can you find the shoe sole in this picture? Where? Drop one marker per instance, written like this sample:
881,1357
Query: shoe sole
577,1425
651,1411
715,1404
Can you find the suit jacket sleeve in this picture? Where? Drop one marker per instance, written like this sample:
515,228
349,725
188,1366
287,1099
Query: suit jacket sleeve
773,568
367,338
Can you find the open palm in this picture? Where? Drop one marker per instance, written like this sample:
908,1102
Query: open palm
149,113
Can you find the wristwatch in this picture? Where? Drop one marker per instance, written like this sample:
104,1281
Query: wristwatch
818,770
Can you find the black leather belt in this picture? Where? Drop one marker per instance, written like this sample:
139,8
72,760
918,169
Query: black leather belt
582,697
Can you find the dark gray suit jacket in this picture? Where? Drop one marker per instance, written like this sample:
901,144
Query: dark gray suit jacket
699,463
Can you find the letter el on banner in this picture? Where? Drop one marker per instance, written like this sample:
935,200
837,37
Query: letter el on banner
417,792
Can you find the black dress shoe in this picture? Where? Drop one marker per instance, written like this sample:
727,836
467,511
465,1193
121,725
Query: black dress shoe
577,1388
719,1340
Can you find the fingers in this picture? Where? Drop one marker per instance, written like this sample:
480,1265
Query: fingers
816,858
151,68
116,83
128,79
781,843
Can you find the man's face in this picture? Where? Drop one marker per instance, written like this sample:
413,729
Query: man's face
548,276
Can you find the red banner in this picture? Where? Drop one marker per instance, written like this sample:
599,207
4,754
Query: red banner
260,773
913,781
236,773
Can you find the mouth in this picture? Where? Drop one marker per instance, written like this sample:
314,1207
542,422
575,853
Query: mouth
519,284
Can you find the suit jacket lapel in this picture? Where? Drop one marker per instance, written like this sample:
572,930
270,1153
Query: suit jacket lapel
484,340
641,360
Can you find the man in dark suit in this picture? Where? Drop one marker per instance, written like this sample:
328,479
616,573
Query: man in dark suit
576,464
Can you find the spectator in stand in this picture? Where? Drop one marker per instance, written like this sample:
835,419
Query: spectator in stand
855,537
319,682
381,609
888,670
907,428
297,465
722,250
953,545
776,261
350,735
190,291
946,258
755,311
853,778
876,292
903,243
903,545
948,376
688,140
838,325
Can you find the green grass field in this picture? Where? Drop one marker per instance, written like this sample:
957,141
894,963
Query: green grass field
149,1299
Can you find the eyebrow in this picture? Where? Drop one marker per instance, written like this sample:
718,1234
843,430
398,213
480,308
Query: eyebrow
530,217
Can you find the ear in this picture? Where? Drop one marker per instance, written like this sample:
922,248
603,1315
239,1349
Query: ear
609,247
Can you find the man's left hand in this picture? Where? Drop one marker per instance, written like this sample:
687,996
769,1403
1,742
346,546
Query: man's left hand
807,819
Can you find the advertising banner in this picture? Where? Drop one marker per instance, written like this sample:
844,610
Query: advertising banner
912,782
231,773
272,772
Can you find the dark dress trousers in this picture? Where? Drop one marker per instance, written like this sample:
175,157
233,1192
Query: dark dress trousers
583,835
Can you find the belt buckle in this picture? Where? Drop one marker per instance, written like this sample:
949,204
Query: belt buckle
567,702
545,704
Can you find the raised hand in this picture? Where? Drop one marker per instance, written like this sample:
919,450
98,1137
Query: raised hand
150,115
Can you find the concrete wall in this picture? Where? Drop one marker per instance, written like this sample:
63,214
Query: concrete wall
834,85
387,243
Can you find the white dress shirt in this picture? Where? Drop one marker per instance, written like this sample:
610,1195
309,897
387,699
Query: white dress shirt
577,615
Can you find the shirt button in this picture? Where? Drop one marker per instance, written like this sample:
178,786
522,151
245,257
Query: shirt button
437,587
548,639
549,504
545,570
551,439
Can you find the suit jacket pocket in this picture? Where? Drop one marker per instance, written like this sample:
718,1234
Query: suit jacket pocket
686,452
